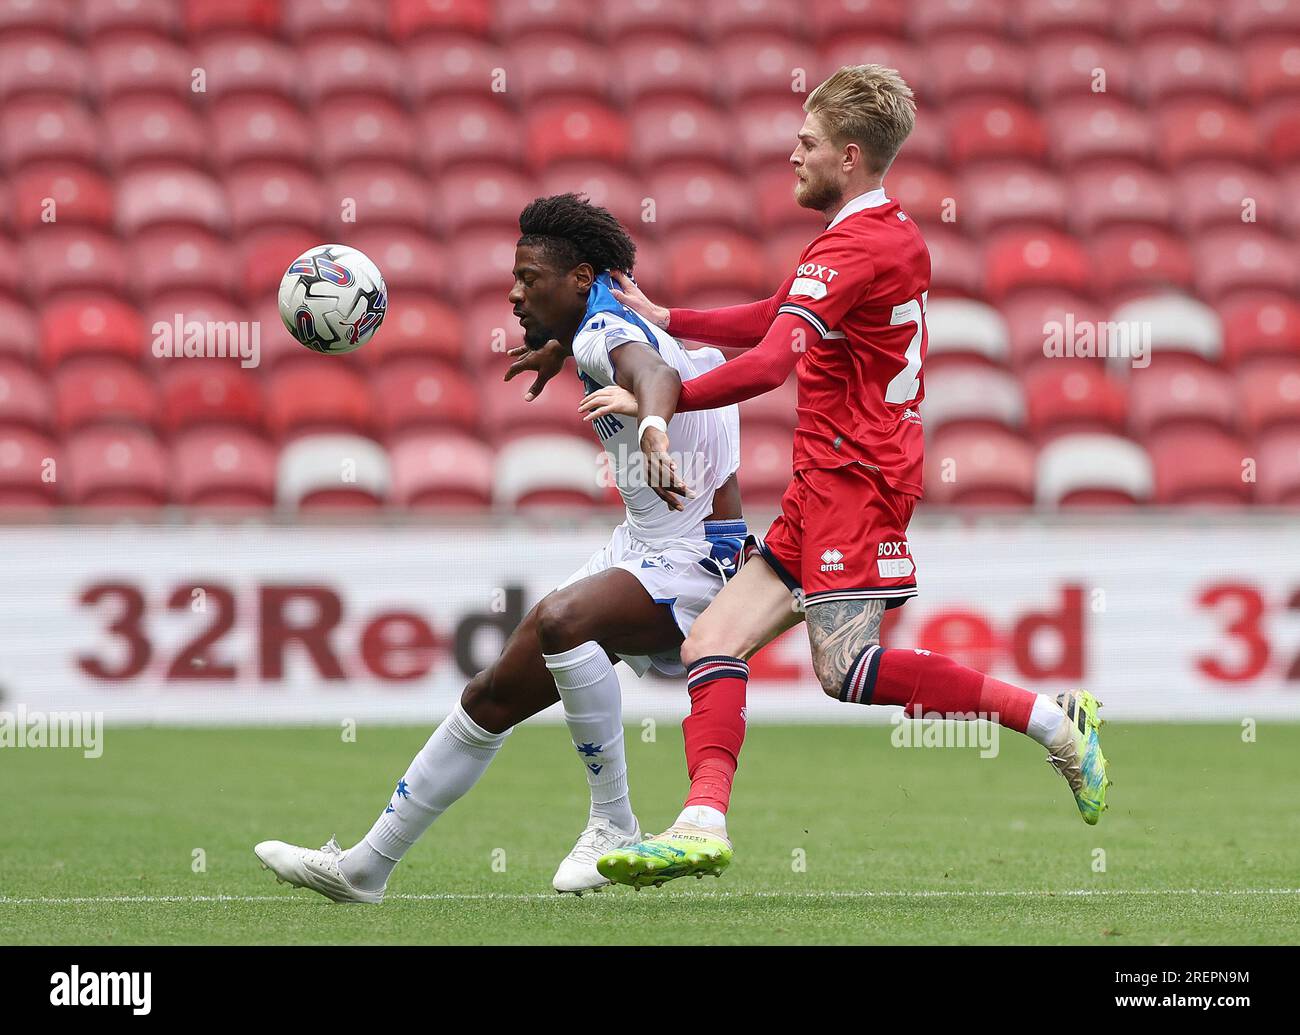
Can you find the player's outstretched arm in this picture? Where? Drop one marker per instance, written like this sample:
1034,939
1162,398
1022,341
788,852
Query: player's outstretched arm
732,327
640,370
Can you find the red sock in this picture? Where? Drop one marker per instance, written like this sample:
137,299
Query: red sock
931,683
715,729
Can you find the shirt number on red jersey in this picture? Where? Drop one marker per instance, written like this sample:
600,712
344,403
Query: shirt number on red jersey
907,382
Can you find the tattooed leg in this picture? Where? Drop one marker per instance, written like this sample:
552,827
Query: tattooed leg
839,632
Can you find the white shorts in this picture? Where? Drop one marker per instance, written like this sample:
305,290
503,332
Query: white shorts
686,575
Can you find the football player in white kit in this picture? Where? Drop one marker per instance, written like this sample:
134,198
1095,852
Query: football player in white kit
635,599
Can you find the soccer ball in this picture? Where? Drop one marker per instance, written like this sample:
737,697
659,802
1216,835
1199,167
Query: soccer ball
333,299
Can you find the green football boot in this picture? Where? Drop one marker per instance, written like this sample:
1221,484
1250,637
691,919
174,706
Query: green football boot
1077,756
680,851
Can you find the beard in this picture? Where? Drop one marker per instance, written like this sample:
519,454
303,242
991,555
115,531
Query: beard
816,194
536,337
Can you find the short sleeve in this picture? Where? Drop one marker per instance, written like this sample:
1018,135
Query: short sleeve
832,277
596,339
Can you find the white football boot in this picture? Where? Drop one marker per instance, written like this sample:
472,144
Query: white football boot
578,873
316,869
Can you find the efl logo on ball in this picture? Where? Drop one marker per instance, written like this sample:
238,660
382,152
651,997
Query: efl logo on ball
333,299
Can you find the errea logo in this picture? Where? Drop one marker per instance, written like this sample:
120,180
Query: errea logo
832,560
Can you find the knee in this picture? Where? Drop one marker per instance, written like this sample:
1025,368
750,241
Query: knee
702,642
828,674
559,627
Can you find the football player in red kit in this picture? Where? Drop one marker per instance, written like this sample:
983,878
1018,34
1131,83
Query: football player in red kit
850,321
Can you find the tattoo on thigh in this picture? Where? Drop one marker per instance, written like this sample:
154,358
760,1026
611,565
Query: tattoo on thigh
839,632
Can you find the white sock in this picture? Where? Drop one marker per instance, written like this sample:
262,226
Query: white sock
593,708
703,816
1045,720
449,764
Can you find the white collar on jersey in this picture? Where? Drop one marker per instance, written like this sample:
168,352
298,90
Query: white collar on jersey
871,199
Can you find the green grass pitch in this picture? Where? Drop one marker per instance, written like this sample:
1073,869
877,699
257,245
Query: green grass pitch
840,838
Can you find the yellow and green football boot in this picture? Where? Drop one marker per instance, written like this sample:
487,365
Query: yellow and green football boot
680,851
1076,753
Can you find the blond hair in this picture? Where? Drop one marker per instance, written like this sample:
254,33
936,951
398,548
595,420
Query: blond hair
869,105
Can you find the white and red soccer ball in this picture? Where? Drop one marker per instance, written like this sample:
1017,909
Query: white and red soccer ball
333,299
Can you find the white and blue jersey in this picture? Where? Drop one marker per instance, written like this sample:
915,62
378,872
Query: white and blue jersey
681,560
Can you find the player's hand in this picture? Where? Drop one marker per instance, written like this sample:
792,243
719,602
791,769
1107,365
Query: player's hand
634,298
546,362
661,470
608,400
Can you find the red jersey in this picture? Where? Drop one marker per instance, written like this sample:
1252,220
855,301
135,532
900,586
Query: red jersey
862,286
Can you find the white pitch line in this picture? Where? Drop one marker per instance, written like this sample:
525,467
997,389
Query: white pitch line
497,897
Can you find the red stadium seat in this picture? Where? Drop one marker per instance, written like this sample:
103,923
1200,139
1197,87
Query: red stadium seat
724,18
1199,466
1042,17
927,193
964,66
222,467
1270,394
95,391
442,470
373,194
40,66
1279,126
671,130
438,67
418,326
625,21
149,198
24,396
1193,129
265,256
275,196
956,263
1037,317
260,128
203,16
477,132
160,17
1093,470
80,195
704,261
1145,18
981,129
689,196
867,46
834,18
1272,69
52,16
333,472
174,259
781,253
971,394
253,65
483,262
1185,66
30,469
766,463
761,65
1277,468
318,398
575,129
1245,257
350,66
421,394
1111,193
1246,19
304,20
518,18
22,332
141,63
932,18
1021,259
1226,193
466,198
352,129
47,130
1073,66
980,467
154,129
491,330
774,409
219,392
115,467
1068,397
609,186
66,258
1177,391
548,471
1258,324
552,65
1290,204
413,18
664,66
997,196
769,129
505,416
91,325
1087,129
1128,260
